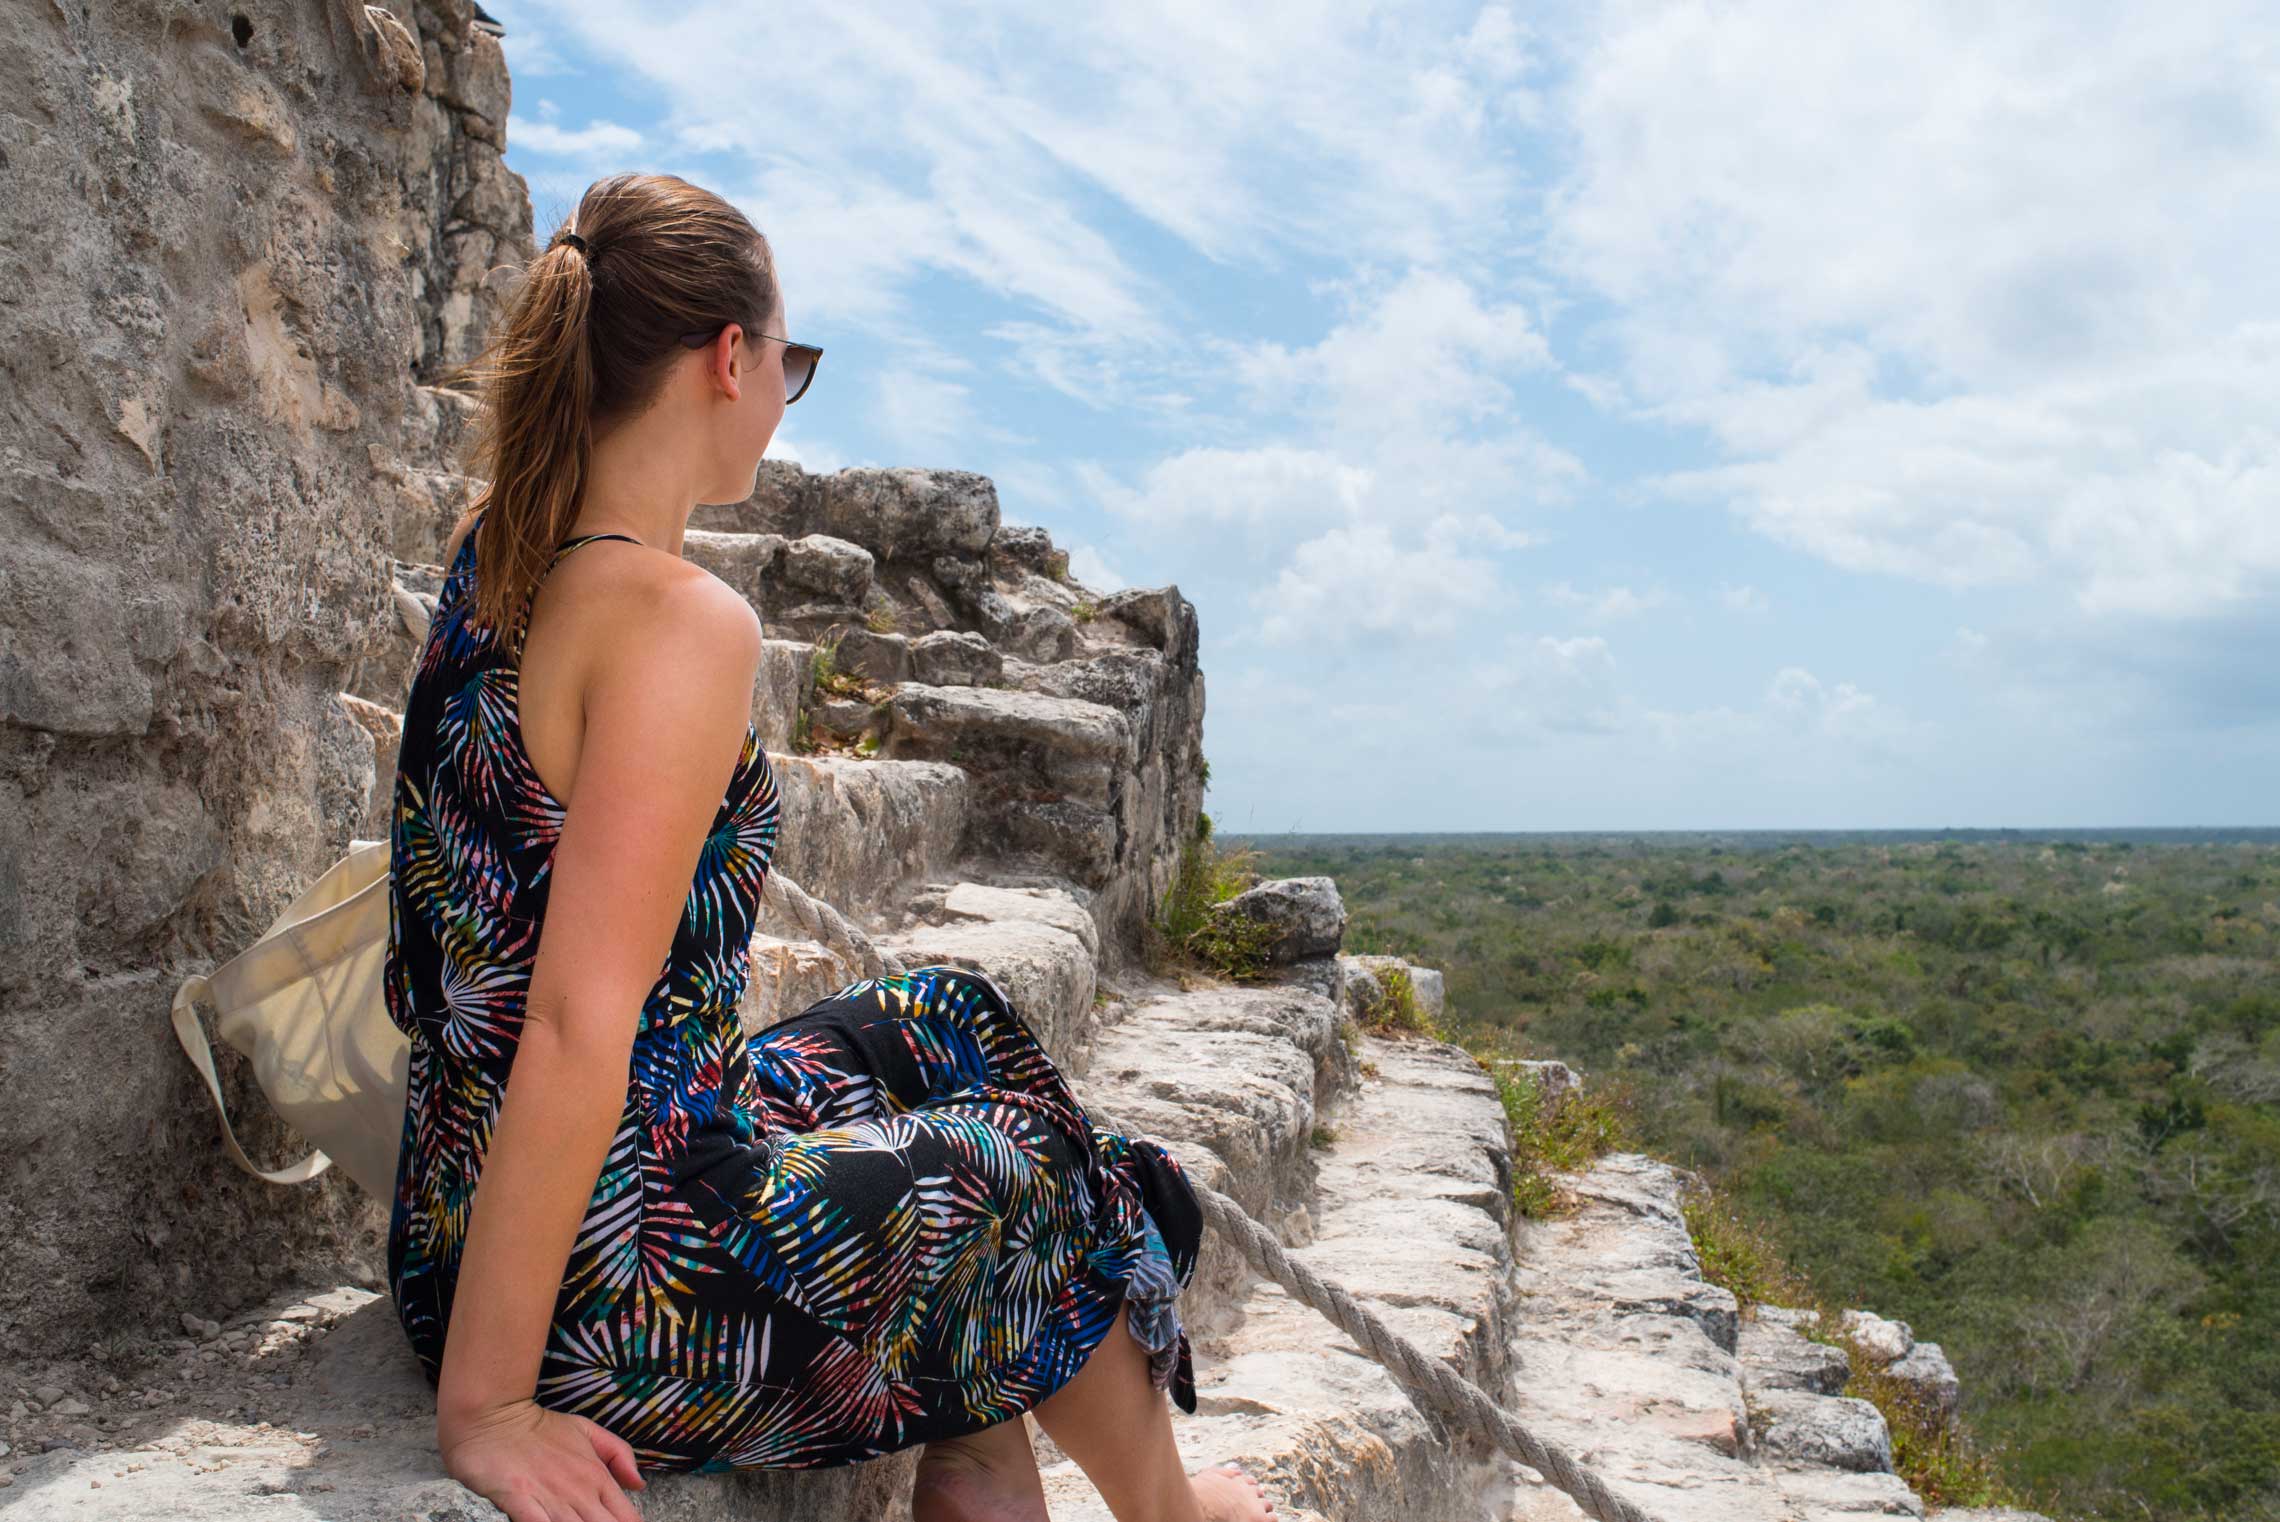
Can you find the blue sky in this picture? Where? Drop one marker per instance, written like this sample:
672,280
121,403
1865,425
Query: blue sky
1596,416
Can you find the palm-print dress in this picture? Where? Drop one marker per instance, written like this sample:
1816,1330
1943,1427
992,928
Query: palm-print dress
882,1221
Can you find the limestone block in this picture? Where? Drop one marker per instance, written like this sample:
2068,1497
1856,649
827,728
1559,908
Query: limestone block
906,513
1018,547
782,687
1157,616
1367,984
1815,1490
786,501
1306,912
878,656
1925,1369
1775,1356
829,567
1836,1431
751,563
1326,976
1025,745
855,832
954,658
1049,906
1884,1341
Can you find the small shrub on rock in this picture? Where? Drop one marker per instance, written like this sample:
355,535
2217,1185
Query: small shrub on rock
1558,1134
1184,929
1394,1010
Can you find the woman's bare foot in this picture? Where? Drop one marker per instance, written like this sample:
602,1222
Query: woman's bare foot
1227,1494
988,1476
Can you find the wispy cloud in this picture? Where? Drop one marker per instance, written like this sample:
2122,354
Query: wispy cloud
1607,604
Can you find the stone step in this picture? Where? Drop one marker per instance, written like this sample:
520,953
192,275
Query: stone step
1039,945
1415,1206
1048,771
1232,1080
1625,1355
1408,1214
342,1429
861,834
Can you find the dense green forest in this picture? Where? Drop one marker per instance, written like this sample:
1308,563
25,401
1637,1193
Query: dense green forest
2024,1095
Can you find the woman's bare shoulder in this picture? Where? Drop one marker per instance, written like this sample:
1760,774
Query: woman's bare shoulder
640,596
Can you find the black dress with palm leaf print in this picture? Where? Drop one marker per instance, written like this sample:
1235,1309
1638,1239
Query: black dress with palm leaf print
881,1222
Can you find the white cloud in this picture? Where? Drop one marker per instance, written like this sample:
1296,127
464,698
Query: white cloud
1607,605
1549,684
922,414
595,140
1088,566
1272,485
1014,136
1966,647
1545,685
1800,697
1743,599
1401,430
1801,727
1941,284
1426,354
815,459
1359,580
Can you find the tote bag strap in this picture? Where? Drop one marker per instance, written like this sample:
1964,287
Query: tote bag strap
192,1035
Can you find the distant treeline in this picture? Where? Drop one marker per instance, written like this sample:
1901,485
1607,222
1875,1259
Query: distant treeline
1751,840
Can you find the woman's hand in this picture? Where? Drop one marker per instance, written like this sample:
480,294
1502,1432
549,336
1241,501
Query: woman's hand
539,1465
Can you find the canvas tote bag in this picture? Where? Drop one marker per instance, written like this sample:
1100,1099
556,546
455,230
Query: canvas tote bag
306,1006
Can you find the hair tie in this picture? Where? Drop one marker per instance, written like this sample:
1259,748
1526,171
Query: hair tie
577,243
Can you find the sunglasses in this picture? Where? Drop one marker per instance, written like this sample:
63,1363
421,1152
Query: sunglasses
800,360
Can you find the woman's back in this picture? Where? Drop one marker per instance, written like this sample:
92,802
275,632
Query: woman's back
472,841
882,1221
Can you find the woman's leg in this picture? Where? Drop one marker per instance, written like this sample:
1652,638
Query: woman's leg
1116,1424
986,1476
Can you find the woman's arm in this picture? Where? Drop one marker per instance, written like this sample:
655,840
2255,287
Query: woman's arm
665,712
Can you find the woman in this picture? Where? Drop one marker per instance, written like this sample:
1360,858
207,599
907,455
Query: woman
880,1223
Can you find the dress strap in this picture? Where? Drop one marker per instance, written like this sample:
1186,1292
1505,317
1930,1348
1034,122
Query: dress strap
571,543
560,550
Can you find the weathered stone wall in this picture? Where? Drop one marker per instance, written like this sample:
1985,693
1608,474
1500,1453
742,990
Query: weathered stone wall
1079,715
234,237
243,247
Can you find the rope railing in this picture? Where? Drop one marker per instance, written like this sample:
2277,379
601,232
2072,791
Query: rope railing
1426,1379
1432,1384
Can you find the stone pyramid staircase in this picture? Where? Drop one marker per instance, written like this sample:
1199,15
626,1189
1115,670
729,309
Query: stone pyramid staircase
998,777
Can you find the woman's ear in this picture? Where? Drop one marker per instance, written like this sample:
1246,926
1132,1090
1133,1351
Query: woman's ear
725,361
